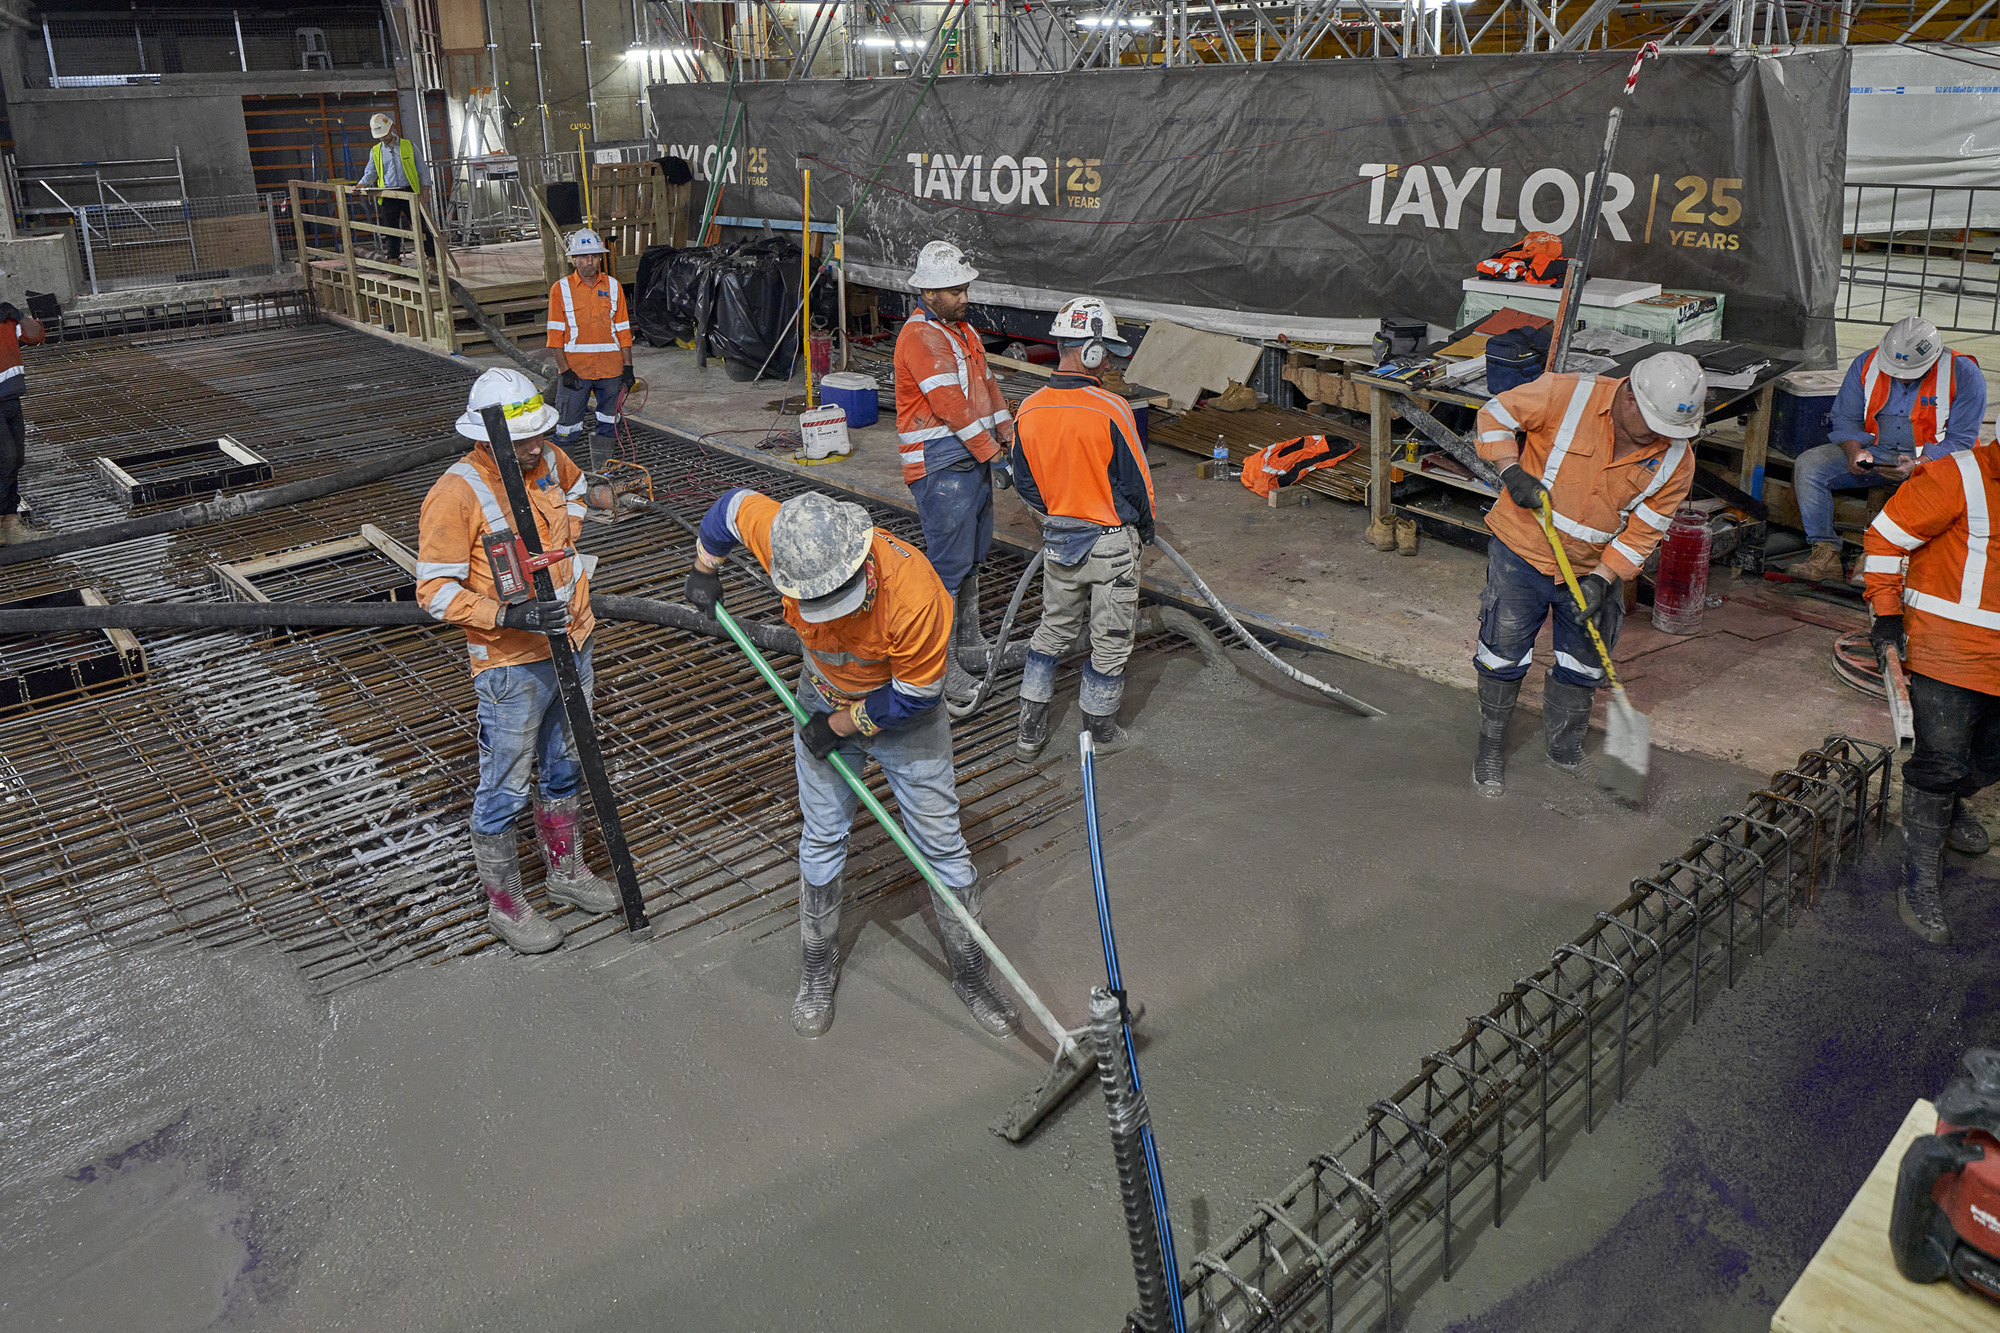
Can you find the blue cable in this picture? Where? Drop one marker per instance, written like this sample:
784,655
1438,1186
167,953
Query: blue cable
1114,980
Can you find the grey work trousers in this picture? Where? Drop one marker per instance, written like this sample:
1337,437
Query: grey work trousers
1102,588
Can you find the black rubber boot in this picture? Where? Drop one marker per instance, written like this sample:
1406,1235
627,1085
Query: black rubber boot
1496,705
1926,819
819,969
1097,697
1106,736
1968,836
1034,733
1565,721
991,1009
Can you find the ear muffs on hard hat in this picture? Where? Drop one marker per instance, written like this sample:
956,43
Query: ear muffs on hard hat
1087,320
819,546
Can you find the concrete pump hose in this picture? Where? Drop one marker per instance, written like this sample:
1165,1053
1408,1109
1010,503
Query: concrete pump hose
1250,640
503,342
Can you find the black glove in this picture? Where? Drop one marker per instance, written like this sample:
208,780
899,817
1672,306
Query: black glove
625,377
537,617
8,310
819,736
1525,490
571,380
1003,472
703,592
1887,632
1145,534
1598,594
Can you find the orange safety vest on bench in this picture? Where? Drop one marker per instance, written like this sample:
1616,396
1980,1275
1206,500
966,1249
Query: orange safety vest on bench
1285,462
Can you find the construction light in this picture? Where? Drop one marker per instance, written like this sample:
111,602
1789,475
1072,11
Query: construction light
1099,21
657,52
907,43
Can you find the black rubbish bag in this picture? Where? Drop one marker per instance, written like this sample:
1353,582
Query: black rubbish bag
747,292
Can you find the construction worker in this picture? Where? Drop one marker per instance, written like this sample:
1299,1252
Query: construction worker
1614,459
16,331
874,620
394,164
1078,466
1906,400
1942,615
952,422
521,719
590,332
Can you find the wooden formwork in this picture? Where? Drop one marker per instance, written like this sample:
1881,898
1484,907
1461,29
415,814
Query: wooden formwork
409,297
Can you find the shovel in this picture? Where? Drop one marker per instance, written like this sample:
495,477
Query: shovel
1627,735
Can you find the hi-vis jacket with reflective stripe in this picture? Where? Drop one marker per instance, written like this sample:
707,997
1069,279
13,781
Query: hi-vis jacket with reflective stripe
454,582
591,325
1608,512
1940,522
944,389
1930,415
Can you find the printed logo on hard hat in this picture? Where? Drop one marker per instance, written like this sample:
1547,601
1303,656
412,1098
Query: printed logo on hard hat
1918,352
1683,407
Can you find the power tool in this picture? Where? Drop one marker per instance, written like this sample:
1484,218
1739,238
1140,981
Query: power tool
514,565
1946,1219
606,491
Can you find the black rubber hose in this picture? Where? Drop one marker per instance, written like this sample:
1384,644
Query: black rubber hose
228,506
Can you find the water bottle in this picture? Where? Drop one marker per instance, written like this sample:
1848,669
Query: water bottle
1219,468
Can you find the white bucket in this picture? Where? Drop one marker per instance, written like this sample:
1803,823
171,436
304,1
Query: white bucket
824,432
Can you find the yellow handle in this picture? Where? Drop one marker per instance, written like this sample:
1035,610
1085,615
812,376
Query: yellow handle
1582,607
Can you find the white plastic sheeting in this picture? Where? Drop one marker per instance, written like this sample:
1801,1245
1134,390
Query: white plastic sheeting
1929,117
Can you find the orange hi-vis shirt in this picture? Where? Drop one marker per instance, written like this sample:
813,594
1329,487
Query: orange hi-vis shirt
895,642
1081,447
1609,513
1940,524
454,582
591,325
945,388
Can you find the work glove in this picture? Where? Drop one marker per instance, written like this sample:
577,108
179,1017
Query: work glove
625,378
537,617
1887,632
1598,592
571,380
819,736
8,310
1003,472
1524,489
1145,534
703,592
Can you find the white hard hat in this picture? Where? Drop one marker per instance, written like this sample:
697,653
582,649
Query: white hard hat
1086,317
942,266
1672,391
818,549
379,125
516,395
1910,347
584,241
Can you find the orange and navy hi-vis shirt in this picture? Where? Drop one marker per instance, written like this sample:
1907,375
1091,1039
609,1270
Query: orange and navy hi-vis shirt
948,405
1080,447
1941,522
13,374
454,581
1608,513
887,657
589,322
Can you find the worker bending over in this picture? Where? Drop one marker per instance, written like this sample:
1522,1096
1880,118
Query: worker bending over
1078,466
16,331
1905,401
521,717
394,164
590,332
1942,614
1613,458
951,423
873,619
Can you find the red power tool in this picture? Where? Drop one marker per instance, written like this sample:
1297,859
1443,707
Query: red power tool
514,565
1946,1219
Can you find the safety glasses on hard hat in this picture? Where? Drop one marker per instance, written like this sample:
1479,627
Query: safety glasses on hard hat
521,409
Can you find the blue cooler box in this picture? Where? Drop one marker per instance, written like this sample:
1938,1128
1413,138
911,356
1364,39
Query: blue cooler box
854,393
1802,409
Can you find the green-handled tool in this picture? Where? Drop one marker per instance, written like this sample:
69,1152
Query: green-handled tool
1072,1061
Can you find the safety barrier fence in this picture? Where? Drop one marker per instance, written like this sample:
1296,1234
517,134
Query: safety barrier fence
1924,250
1352,1241
124,244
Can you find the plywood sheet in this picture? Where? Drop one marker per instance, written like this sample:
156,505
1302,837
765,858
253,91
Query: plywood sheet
1180,362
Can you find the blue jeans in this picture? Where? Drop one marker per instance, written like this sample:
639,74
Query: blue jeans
521,720
1816,475
570,405
956,509
917,761
1517,599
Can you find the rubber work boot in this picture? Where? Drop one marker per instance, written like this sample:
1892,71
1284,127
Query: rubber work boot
13,531
1034,731
1098,697
1967,836
1565,720
508,914
559,828
1926,819
1496,705
1823,565
991,1009
819,947
961,685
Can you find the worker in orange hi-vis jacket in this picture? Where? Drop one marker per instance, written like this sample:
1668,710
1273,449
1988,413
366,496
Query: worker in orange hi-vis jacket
520,707
1936,597
590,335
952,425
873,621
1615,458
